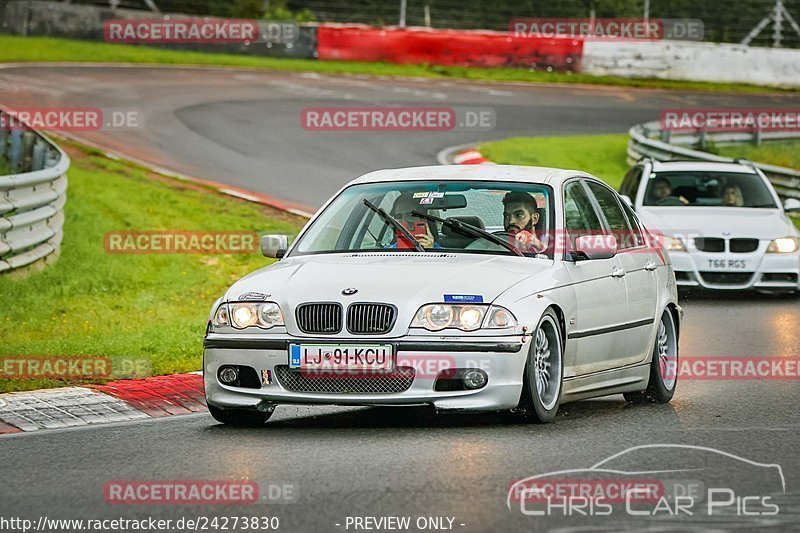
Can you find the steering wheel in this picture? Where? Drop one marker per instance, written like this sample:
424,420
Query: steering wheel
669,200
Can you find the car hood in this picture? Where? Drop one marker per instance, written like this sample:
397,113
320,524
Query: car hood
398,278
717,221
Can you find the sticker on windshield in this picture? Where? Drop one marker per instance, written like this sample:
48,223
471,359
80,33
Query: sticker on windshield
436,194
463,298
424,201
420,195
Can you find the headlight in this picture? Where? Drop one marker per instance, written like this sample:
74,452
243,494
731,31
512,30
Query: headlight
221,316
784,245
500,317
676,245
435,317
262,314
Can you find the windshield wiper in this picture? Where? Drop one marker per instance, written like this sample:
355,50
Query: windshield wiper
466,228
390,220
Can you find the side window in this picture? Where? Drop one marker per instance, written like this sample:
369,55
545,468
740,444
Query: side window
637,238
580,217
630,185
615,217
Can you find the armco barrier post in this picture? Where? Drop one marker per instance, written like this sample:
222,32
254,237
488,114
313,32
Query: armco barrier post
15,156
37,161
3,142
27,150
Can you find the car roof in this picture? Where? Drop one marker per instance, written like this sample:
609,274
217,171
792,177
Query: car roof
665,166
515,173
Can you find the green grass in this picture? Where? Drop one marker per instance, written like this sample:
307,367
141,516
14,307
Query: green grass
781,153
601,155
25,49
152,308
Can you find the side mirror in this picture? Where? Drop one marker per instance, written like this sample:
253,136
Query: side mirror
588,247
627,200
791,204
274,245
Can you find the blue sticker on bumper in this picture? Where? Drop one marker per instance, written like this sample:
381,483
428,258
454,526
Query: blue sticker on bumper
463,298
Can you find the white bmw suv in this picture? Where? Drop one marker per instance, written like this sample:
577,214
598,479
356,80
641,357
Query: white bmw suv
724,223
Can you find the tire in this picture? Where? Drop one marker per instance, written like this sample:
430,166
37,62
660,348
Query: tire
543,376
663,367
240,417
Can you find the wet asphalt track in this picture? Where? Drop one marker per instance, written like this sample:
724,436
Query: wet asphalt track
243,128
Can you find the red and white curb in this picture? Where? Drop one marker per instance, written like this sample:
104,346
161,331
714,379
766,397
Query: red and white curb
462,154
470,157
116,401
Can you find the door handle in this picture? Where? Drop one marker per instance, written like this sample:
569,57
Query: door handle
618,272
651,265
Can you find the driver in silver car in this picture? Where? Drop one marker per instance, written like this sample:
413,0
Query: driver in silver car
520,216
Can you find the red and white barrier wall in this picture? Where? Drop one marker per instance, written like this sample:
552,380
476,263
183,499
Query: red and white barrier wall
695,61
466,48
675,60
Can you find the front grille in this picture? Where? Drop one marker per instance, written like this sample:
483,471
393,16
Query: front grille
727,278
370,319
398,380
710,244
319,317
743,246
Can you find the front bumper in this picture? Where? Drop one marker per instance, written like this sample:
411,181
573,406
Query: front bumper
502,358
776,272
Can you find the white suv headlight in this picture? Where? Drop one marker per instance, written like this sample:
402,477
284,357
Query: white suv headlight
784,245
675,244
436,317
246,314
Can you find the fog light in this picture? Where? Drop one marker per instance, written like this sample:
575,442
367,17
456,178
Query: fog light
474,379
228,375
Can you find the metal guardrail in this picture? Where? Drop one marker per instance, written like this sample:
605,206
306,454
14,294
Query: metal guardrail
649,140
32,197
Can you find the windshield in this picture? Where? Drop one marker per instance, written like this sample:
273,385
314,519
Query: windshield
449,216
721,189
